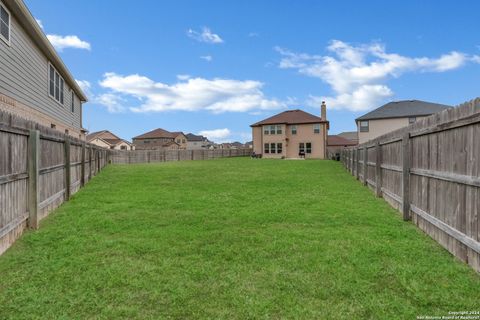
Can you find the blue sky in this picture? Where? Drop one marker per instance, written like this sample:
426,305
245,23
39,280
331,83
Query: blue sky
219,66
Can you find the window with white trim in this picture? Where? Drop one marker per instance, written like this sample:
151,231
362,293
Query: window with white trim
266,130
279,148
294,129
316,128
272,129
272,148
364,126
266,148
4,24
73,101
308,147
56,85
279,129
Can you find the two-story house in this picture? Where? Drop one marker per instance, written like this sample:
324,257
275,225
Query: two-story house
106,139
292,134
394,115
160,139
196,142
35,84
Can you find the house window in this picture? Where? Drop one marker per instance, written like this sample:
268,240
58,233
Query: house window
73,101
267,148
279,129
123,147
279,148
308,148
316,128
272,147
364,126
272,129
301,147
4,24
294,129
412,120
266,130
56,85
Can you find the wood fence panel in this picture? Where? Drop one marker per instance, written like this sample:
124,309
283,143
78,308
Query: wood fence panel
440,173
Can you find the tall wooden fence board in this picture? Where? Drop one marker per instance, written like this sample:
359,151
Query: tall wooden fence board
50,177
437,162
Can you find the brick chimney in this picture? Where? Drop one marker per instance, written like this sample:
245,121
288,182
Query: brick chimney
324,111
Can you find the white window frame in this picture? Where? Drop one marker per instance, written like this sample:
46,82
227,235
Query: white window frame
279,129
274,149
273,129
7,41
266,130
364,128
60,79
266,148
293,129
318,127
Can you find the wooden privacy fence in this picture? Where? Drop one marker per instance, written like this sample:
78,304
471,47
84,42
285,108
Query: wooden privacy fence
147,156
40,168
430,171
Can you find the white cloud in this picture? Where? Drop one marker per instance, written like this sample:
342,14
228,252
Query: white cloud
64,42
207,58
216,135
357,74
195,94
254,35
113,102
206,35
39,23
183,76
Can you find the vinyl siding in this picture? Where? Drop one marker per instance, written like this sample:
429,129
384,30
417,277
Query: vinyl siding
24,77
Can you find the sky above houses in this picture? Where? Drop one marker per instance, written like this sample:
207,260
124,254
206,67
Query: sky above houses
215,67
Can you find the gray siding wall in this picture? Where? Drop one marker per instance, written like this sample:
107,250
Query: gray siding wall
24,77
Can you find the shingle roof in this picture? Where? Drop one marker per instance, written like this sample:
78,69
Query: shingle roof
157,133
290,117
193,137
339,141
405,108
93,135
349,135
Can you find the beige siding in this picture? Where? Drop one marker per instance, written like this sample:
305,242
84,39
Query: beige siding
380,127
24,78
290,143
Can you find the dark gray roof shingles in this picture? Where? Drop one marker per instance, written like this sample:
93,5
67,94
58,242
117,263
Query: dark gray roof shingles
405,108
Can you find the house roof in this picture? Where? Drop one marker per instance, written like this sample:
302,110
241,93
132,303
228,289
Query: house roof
350,135
339,141
290,117
193,137
28,22
157,133
405,108
95,134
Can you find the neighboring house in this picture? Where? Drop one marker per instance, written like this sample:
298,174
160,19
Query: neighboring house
394,115
160,139
291,134
349,135
106,139
35,84
249,145
336,143
196,142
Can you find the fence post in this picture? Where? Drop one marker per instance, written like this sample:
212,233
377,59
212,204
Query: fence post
378,169
90,163
406,176
98,161
191,154
358,163
352,162
66,145
365,167
33,166
82,168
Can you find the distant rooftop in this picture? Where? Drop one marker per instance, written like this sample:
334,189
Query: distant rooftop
405,108
290,117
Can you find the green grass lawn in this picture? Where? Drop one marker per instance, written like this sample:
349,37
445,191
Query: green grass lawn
230,239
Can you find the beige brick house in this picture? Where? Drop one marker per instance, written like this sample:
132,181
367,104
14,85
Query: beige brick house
291,134
394,115
35,84
108,140
160,139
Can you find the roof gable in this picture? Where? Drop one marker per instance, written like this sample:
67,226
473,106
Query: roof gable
403,109
157,133
290,117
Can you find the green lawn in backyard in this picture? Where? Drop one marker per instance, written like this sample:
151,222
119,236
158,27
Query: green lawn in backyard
230,239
